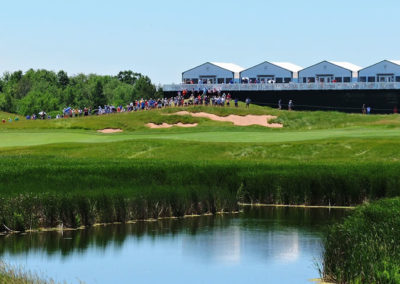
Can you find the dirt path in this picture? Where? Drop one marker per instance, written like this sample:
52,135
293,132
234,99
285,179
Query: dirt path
237,119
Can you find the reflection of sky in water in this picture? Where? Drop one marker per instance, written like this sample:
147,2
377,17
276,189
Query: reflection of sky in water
231,253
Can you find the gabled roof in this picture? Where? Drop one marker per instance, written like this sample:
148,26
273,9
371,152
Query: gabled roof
229,66
288,66
346,65
285,65
397,62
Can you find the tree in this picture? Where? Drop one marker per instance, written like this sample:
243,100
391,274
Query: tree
6,103
62,78
16,76
128,77
37,90
144,88
98,96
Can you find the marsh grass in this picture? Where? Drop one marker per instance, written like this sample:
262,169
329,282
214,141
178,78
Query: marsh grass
364,248
17,275
50,191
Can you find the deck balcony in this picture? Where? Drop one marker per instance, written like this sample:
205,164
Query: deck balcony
283,86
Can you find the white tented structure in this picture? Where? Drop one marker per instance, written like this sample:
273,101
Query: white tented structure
384,71
278,72
212,73
329,72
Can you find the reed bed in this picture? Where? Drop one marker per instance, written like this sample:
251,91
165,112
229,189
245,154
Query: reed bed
365,247
17,275
49,192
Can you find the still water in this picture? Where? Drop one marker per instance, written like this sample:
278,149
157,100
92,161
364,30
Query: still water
259,245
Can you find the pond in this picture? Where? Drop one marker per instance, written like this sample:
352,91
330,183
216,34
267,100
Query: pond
258,245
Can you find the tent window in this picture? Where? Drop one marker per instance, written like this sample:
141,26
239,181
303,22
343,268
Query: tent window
346,79
287,80
397,78
338,79
371,79
363,79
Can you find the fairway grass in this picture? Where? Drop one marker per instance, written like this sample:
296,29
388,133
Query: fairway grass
13,138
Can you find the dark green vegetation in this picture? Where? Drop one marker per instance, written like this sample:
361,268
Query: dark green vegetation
37,90
64,172
365,247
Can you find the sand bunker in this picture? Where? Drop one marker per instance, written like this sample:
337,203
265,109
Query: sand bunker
110,130
237,119
166,125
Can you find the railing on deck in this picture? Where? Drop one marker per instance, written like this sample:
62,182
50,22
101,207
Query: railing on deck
283,86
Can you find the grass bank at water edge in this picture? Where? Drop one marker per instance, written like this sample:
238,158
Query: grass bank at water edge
17,275
365,247
46,192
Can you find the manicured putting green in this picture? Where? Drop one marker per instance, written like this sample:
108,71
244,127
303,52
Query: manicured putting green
30,138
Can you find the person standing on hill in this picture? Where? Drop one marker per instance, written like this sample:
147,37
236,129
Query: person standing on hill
247,102
280,104
236,102
290,105
363,110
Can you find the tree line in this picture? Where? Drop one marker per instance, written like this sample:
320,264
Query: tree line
37,90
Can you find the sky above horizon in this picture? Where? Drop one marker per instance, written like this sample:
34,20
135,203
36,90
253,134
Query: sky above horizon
164,38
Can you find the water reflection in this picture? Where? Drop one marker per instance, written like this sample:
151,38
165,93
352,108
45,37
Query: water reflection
255,242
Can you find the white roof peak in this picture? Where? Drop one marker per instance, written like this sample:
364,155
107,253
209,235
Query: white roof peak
394,61
229,66
288,66
346,65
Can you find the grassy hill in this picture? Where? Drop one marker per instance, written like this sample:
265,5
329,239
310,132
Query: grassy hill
136,121
70,173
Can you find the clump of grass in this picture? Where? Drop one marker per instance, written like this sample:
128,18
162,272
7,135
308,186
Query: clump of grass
365,247
16,275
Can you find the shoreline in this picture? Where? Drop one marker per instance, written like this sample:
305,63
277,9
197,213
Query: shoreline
62,228
296,206
149,220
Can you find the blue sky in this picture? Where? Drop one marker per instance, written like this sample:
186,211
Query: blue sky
163,38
